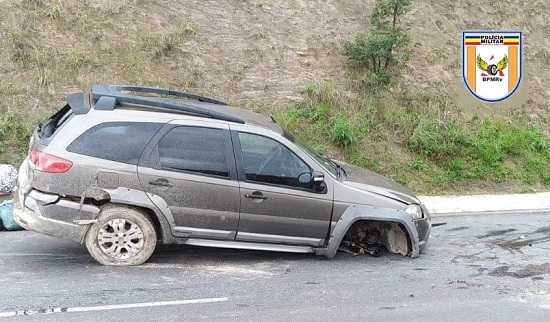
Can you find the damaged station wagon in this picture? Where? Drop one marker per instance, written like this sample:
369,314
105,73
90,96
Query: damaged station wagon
123,168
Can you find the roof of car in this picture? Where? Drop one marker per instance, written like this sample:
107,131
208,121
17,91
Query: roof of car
247,116
109,97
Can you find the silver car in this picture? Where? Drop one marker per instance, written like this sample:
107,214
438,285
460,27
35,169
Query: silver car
120,170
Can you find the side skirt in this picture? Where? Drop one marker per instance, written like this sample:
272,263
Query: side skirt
245,245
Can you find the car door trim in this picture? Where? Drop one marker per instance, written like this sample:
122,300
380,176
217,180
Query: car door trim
280,239
246,245
203,233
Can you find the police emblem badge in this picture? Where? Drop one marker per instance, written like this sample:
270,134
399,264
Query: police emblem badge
492,63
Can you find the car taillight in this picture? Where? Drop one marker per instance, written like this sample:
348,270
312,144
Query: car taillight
49,163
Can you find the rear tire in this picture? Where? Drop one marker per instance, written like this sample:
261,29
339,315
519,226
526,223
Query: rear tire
123,236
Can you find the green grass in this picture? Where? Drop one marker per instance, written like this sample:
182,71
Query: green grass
15,129
405,128
53,12
344,133
415,142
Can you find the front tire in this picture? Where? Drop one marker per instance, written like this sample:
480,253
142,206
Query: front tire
123,236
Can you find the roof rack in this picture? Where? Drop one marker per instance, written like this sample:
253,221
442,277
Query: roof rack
160,91
108,96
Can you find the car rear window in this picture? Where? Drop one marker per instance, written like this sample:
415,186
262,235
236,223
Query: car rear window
115,141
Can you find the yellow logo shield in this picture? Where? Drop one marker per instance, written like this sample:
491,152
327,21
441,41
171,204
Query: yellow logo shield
492,63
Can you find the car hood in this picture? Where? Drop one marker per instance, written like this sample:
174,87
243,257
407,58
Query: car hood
364,179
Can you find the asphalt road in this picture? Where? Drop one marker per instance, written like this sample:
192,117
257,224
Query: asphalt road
476,268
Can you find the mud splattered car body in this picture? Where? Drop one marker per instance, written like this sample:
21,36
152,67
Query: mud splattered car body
121,172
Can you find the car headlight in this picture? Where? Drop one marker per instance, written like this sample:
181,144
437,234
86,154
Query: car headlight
415,211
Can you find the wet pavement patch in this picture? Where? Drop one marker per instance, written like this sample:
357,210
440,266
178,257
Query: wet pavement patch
499,232
518,243
530,270
458,228
542,230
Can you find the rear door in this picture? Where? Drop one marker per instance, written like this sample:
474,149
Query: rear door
189,169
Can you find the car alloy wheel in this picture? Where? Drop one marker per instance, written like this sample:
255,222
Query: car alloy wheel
122,236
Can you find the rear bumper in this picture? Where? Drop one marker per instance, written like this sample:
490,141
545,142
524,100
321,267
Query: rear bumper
49,214
28,215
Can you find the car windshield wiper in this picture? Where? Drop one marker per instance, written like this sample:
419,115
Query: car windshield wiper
338,167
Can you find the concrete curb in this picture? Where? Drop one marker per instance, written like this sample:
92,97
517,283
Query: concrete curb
486,204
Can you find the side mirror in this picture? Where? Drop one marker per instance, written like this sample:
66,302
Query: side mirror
304,177
317,177
318,182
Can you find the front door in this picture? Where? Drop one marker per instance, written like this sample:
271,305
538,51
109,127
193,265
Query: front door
191,172
278,204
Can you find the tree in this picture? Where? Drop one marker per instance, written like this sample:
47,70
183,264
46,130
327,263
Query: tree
377,49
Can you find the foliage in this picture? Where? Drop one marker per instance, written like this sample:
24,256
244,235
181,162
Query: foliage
16,128
53,12
378,49
344,133
414,142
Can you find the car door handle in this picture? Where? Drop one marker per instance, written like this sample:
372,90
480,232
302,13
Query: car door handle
255,196
161,182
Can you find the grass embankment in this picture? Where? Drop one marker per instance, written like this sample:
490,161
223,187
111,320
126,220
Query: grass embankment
271,57
417,139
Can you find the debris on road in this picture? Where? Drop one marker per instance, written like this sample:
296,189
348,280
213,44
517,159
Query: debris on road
8,178
8,181
6,216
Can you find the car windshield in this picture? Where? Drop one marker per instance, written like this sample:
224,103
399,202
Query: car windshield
325,162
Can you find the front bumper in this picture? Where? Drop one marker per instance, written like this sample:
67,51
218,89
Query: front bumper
423,227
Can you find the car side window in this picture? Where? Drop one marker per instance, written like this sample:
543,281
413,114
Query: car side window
268,161
194,149
116,141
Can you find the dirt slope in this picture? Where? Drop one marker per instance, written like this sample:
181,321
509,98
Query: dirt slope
248,51
252,53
